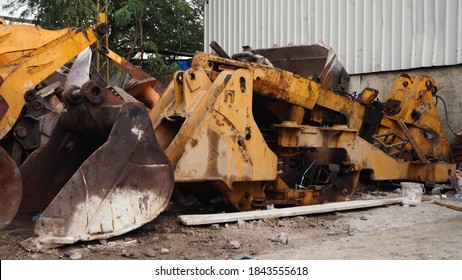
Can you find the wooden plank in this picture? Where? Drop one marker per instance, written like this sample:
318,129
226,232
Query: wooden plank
426,198
205,219
412,141
452,206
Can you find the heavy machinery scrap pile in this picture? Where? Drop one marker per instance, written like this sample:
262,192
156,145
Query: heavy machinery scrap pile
242,129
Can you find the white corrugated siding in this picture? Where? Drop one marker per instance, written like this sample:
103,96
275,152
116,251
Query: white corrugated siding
368,35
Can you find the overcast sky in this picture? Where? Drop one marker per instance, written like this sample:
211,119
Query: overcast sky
4,12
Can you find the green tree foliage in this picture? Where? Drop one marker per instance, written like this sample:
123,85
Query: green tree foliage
156,66
135,25
56,14
157,24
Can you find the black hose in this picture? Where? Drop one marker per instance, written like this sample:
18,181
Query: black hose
445,112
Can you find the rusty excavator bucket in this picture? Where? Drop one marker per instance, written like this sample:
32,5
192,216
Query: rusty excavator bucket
10,182
101,174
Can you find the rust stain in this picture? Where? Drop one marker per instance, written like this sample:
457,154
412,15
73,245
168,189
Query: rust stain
3,107
213,140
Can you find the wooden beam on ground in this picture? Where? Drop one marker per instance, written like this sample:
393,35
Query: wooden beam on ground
449,205
205,219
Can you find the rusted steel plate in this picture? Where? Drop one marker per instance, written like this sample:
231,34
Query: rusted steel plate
308,61
10,189
303,60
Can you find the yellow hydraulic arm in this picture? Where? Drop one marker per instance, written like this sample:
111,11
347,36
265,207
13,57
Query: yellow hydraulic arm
25,72
17,40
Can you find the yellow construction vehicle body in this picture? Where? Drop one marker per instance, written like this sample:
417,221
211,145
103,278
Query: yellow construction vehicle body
205,122
416,97
256,134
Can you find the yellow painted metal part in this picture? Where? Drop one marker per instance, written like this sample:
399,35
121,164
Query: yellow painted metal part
419,112
218,140
211,122
228,139
17,40
364,155
26,72
289,87
414,93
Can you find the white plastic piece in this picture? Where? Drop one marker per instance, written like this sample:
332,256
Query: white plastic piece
412,193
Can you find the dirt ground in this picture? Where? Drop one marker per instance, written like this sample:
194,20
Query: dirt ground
426,231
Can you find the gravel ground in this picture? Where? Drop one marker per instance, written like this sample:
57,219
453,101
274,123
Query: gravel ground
426,231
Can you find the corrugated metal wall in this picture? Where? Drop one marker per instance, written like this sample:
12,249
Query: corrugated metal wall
368,35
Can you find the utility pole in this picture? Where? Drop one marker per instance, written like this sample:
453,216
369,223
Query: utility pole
102,18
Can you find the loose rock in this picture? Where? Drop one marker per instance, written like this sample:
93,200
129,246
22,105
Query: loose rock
142,242
162,229
151,253
137,255
93,248
127,254
74,255
437,191
283,223
164,251
233,244
240,223
215,226
281,238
